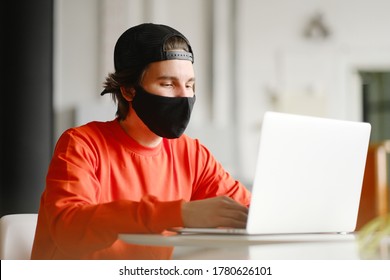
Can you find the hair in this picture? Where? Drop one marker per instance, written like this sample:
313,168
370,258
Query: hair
132,77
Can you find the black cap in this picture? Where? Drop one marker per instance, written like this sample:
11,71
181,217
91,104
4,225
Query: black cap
143,44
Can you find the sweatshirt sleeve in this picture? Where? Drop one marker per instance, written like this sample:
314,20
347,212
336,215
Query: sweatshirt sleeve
213,180
77,219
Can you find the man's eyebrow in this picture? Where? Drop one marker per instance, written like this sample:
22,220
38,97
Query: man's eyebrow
166,77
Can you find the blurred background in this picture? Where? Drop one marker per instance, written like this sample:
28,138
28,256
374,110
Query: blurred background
327,58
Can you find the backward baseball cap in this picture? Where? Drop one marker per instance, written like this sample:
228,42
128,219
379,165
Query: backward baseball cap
143,44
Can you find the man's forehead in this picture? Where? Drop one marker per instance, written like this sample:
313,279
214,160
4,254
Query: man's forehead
171,69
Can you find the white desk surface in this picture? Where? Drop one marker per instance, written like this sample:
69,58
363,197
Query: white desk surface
270,247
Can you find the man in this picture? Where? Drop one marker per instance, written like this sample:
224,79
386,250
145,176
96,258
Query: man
138,173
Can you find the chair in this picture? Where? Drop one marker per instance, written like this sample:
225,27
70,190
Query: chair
16,236
374,199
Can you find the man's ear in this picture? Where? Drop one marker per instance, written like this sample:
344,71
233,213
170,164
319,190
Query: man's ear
128,93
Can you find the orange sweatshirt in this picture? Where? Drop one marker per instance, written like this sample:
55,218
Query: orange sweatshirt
101,182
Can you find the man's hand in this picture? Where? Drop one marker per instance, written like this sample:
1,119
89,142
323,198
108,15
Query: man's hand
221,211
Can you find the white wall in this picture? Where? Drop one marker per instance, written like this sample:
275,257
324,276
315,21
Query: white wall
276,59
258,42
76,52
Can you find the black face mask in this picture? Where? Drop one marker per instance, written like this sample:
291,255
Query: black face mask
167,117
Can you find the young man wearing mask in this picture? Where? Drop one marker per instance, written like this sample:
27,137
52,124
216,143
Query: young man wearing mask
138,173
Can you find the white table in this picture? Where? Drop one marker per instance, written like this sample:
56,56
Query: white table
258,247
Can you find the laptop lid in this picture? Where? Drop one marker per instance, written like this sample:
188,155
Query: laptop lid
309,175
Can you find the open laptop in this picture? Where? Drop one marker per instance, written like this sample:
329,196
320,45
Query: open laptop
308,177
